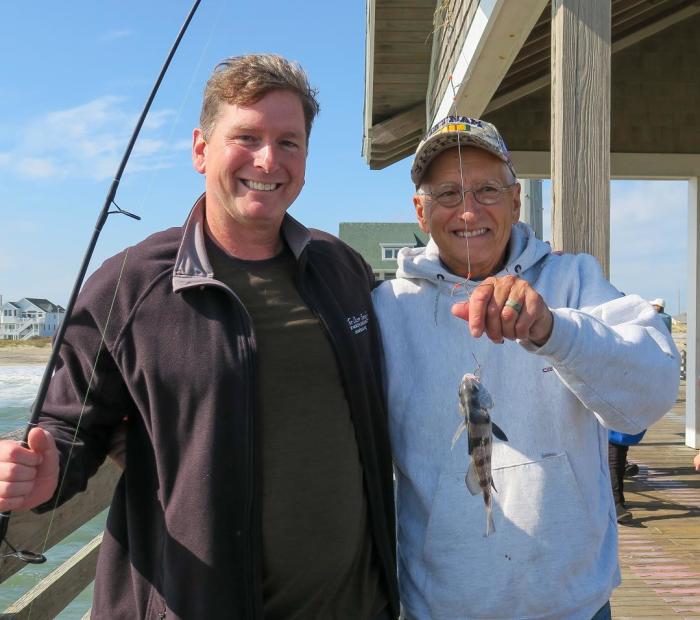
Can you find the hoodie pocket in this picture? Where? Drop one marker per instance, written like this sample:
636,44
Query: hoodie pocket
540,558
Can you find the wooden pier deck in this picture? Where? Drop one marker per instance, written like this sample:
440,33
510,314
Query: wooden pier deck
660,547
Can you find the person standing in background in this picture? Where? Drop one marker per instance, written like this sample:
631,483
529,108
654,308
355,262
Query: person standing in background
618,447
659,305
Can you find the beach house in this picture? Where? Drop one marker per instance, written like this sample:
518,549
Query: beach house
29,317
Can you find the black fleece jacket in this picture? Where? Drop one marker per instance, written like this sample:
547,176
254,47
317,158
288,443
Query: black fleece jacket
183,536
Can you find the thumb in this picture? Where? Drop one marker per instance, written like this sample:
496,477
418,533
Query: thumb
40,441
461,310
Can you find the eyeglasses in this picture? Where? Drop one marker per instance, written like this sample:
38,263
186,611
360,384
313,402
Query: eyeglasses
450,194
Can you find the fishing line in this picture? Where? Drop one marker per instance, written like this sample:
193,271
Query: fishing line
464,205
85,400
461,181
48,372
40,557
108,319
183,101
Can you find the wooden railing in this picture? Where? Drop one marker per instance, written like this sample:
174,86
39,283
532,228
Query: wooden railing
41,532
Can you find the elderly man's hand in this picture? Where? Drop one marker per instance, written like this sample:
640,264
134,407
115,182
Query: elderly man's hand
506,307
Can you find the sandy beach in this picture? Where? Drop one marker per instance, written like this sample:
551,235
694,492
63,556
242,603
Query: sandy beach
24,354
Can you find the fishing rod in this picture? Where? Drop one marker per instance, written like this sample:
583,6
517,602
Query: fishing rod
23,554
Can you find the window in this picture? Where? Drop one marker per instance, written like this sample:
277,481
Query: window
390,251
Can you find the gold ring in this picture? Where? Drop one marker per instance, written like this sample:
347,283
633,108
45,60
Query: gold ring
517,306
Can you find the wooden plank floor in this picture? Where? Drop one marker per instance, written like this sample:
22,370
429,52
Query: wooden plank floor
660,547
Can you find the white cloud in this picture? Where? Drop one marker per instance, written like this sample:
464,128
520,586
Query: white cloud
8,262
648,237
26,226
647,203
36,168
648,250
180,145
148,146
113,35
157,118
88,141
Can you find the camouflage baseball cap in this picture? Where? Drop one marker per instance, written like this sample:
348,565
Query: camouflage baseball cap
463,131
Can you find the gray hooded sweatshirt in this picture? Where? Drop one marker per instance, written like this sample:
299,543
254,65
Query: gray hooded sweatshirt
609,362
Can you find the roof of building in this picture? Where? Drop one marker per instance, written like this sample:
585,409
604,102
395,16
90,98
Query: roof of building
45,304
413,48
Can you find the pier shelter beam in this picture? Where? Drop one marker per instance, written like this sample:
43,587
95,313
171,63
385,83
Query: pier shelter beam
692,388
580,138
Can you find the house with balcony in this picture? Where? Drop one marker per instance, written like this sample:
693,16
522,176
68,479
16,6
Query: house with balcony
30,317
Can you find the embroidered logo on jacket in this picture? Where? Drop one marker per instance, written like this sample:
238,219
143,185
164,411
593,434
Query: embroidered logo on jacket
358,324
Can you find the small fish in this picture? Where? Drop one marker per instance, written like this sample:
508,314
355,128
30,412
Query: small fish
475,401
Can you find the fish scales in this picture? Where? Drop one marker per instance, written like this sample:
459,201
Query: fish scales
475,402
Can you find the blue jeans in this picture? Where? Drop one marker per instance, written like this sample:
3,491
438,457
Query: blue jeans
604,613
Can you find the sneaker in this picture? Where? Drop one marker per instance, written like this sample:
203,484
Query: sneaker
631,469
623,515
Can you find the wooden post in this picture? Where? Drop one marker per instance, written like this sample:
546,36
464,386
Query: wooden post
580,151
531,204
692,387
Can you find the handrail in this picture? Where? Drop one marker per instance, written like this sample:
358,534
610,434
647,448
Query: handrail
56,591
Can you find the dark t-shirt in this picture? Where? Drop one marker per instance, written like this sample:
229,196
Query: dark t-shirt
318,557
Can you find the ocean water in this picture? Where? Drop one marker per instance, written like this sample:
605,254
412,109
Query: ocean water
18,387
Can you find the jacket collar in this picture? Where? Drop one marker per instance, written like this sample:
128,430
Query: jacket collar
192,266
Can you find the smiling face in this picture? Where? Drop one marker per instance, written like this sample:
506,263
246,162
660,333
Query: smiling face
486,229
254,162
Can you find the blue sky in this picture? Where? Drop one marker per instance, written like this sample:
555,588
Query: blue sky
76,75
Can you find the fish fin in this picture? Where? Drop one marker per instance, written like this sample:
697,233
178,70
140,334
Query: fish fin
472,480
496,430
490,527
458,433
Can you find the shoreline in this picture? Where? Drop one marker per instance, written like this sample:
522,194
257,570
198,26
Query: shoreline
21,355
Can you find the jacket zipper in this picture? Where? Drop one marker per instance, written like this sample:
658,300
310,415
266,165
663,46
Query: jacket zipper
250,351
246,321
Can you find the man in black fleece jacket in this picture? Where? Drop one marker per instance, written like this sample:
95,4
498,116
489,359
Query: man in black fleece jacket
243,352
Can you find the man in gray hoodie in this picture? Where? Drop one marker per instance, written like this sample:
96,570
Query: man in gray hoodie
565,355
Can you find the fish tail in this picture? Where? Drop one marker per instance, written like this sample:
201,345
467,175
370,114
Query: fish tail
490,528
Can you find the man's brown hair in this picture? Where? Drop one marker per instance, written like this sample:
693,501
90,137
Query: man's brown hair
245,80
